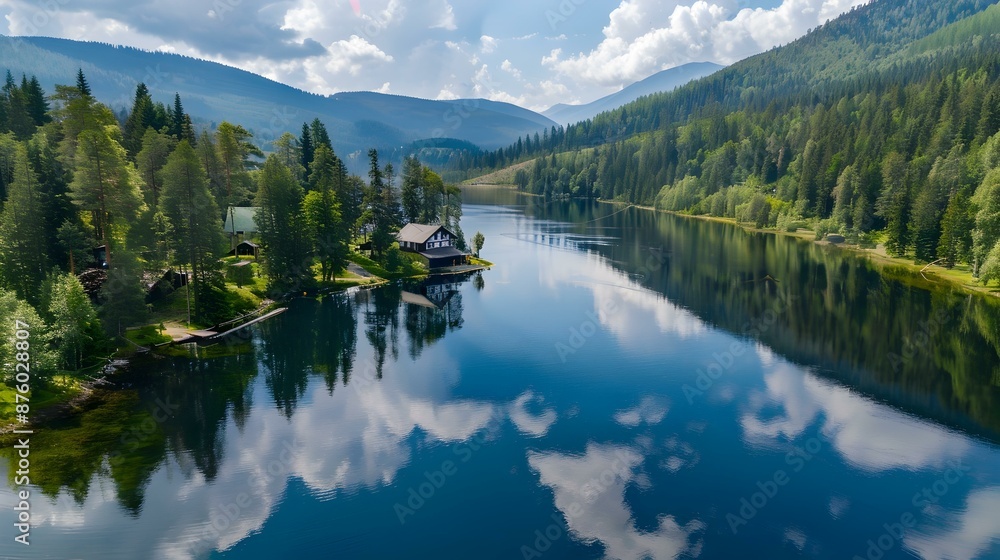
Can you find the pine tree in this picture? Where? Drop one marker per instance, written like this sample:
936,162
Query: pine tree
81,84
956,231
106,184
53,180
286,147
329,233
177,119
196,237
23,255
38,106
156,148
142,116
412,195
893,204
234,149
281,227
319,135
307,147
986,236
76,244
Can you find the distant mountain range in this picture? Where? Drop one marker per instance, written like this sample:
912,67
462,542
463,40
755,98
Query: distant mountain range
213,92
665,80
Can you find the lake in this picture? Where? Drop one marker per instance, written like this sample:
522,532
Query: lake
622,384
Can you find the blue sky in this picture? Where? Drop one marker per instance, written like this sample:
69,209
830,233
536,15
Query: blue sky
534,53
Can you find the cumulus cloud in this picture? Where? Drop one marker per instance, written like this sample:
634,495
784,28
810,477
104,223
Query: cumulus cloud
353,54
590,492
645,36
487,44
447,19
867,434
508,67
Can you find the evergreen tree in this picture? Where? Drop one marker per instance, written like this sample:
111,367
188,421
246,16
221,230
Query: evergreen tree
196,237
986,236
433,194
330,234
142,116
382,209
412,195
156,149
122,297
319,135
893,204
37,105
177,120
81,84
53,180
105,184
307,148
286,147
282,228
76,244
956,231
23,256
234,150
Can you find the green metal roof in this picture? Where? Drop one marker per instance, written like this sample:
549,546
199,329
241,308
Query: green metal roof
242,217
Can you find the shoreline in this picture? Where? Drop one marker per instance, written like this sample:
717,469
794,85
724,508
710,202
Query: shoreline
914,272
85,388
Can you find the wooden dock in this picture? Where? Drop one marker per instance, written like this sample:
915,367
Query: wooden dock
215,336
202,336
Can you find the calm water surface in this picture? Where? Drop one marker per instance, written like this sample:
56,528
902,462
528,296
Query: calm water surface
621,385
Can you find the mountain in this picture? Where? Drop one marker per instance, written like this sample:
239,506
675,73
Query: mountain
665,80
882,125
213,92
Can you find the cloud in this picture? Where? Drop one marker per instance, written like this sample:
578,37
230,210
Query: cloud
650,411
590,492
645,36
487,44
507,67
966,534
354,53
527,423
867,434
447,20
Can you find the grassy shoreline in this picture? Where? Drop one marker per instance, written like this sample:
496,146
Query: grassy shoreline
69,390
914,274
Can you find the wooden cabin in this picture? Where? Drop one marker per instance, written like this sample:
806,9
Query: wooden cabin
433,242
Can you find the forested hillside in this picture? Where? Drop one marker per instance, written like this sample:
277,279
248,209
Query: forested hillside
214,93
881,125
94,209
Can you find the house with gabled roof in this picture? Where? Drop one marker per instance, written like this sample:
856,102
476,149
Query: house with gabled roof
433,242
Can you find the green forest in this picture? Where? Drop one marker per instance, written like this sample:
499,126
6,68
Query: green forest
95,207
882,125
